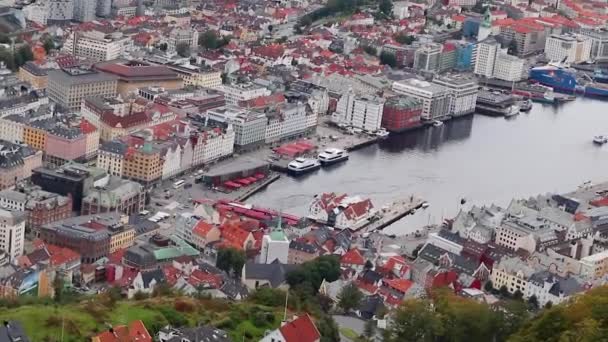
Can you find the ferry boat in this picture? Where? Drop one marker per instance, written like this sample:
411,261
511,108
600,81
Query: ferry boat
525,105
600,139
563,78
300,166
494,103
332,156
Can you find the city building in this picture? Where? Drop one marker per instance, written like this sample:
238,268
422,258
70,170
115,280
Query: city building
65,144
548,287
235,93
300,329
529,37
249,126
133,75
180,36
59,11
599,43
493,62
143,164
40,207
114,195
513,273
427,57
287,121
301,252
96,45
358,111
34,75
93,236
340,210
12,233
401,113
84,10
463,93
486,57
435,98
509,68
68,87
568,47
595,265
17,163
198,76
71,179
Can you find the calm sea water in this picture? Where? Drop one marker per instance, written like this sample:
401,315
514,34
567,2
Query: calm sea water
483,159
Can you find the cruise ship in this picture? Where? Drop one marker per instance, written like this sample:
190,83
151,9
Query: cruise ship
332,156
300,166
563,78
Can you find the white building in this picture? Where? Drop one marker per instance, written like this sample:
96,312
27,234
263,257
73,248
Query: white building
274,246
358,111
96,45
84,10
547,287
486,57
401,9
60,10
11,131
288,120
463,93
217,144
12,233
194,75
426,58
172,161
249,127
235,93
572,48
508,68
434,97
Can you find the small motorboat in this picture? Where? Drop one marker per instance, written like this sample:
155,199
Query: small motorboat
525,106
425,205
437,123
600,139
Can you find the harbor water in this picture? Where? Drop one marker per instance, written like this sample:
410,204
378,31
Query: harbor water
482,159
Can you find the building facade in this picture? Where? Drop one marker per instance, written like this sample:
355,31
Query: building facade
12,233
435,98
569,48
360,112
68,87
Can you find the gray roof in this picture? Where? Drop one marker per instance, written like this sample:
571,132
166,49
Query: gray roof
156,274
274,272
560,286
75,76
302,247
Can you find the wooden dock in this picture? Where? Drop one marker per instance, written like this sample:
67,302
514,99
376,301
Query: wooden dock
390,214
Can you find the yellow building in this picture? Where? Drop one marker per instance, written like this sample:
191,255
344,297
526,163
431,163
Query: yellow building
595,265
143,165
34,137
511,272
121,239
194,75
34,75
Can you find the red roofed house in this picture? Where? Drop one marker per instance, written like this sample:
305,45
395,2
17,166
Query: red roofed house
301,329
235,236
529,36
135,332
353,259
204,233
341,210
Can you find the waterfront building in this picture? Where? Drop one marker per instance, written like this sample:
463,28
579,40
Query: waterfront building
133,75
317,97
359,111
340,210
12,233
447,59
568,47
236,93
486,57
401,113
509,68
493,62
249,126
287,121
427,57
599,43
96,45
465,56
463,93
69,86
435,98
17,163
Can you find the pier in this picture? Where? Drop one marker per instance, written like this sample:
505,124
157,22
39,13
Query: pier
391,213
250,192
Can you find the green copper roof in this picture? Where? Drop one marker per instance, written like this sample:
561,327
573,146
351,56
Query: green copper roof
278,235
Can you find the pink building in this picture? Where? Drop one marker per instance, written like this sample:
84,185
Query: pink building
64,144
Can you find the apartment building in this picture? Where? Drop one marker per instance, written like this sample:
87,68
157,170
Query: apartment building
17,163
249,126
199,76
358,111
463,93
96,45
235,93
486,57
427,57
143,164
599,43
529,37
509,68
12,233
434,97
34,75
287,121
569,47
513,273
595,265
114,195
68,87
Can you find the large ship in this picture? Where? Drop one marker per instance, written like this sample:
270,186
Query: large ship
562,78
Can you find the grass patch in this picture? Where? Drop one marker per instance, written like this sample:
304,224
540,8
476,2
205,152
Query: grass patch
349,333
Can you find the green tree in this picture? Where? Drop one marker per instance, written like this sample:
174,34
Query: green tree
349,297
370,50
414,320
58,288
328,329
369,330
404,38
311,274
533,302
4,39
488,286
48,44
231,260
386,8
504,291
183,49
387,58
208,40
518,295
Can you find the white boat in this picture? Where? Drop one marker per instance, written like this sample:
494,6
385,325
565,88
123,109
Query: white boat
425,205
437,123
600,139
382,133
303,165
332,155
514,110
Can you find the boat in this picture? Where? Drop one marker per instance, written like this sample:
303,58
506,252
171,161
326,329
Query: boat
563,78
600,76
332,156
425,205
600,139
301,166
382,133
546,96
494,103
513,111
525,105
437,123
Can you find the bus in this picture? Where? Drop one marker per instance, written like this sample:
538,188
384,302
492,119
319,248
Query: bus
178,184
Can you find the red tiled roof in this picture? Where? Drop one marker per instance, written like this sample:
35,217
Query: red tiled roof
199,277
302,329
61,255
135,332
131,120
137,70
171,274
352,257
87,127
273,51
202,228
233,235
359,209
401,285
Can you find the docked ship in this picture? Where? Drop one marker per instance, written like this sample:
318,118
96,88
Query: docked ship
495,103
563,78
332,156
300,166
600,76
